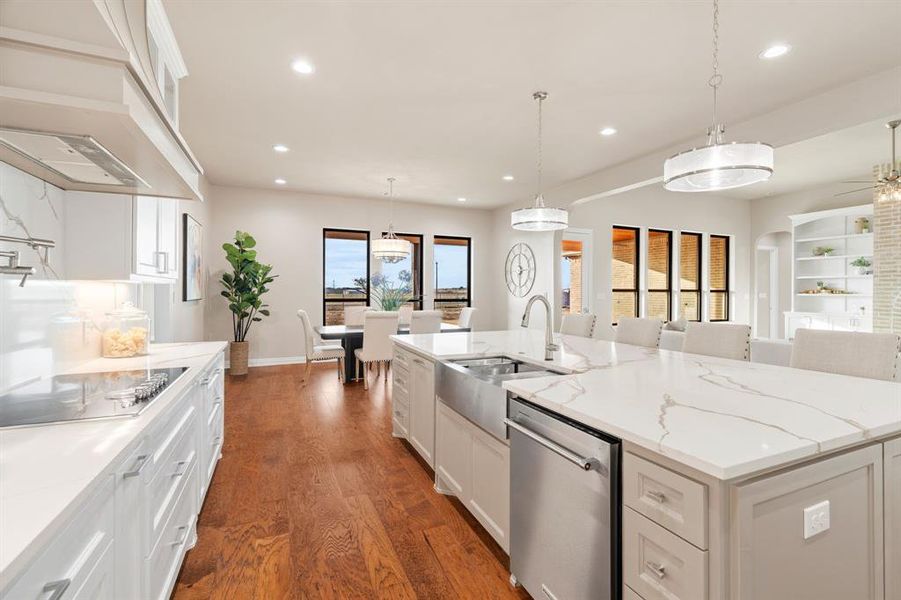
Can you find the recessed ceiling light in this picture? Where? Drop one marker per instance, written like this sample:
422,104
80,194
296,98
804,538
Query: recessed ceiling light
281,181
461,199
775,51
507,178
280,148
303,67
608,131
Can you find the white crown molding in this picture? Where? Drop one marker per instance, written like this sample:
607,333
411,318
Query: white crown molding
158,24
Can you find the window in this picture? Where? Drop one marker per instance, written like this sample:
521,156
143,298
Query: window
453,276
660,279
409,270
624,271
345,272
719,278
571,276
690,275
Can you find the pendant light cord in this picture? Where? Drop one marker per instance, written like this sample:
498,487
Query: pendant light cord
390,207
716,79
541,97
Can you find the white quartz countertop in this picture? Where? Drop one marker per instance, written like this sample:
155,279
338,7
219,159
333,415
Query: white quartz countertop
45,470
726,418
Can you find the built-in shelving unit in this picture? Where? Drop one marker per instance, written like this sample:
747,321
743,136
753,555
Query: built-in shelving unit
848,233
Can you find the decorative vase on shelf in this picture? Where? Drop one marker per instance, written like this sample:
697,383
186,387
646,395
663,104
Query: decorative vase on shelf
861,225
237,357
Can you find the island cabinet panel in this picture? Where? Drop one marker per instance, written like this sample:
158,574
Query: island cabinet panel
893,520
400,395
772,558
475,467
422,408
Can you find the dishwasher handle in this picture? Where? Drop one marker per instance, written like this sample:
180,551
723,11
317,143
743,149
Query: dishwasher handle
586,464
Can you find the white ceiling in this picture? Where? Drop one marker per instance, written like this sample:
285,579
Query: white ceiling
438,94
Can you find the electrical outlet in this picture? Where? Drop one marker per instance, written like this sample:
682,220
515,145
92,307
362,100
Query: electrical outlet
816,519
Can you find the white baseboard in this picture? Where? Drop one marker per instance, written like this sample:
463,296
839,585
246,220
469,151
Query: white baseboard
271,362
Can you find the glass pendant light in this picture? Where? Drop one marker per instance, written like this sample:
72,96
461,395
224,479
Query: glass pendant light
889,187
718,165
539,217
389,248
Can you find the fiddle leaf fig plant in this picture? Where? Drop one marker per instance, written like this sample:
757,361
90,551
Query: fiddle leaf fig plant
245,285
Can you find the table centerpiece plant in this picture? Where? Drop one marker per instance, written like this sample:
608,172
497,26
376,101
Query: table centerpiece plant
387,293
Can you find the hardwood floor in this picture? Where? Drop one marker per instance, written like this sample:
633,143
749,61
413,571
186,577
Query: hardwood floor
313,498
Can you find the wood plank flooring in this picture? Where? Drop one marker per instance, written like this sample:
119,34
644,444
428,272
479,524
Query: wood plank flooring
313,498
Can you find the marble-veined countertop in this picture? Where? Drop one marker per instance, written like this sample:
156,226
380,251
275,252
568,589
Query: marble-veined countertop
726,418
46,470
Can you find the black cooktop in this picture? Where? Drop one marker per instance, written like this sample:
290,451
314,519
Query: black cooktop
85,396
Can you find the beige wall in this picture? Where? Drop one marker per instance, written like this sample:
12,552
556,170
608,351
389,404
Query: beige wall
288,229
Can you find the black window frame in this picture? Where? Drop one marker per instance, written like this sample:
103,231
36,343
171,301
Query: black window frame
669,272
724,291
700,283
468,240
417,248
327,301
637,276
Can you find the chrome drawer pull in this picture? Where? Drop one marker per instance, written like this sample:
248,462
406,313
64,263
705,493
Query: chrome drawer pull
178,472
658,497
586,464
140,462
657,570
57,587
181,540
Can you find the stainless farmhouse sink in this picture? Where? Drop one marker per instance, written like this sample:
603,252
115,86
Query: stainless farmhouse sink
472,387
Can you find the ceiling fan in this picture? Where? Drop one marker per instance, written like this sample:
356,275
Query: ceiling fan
888,187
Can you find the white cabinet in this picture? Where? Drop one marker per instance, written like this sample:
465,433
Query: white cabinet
211,423
475,467
118,237
892,463
422,408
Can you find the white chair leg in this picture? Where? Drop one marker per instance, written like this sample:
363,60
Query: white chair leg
307,370
365,377
340,369
357,369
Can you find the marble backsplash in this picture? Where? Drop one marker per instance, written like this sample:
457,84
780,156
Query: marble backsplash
50,323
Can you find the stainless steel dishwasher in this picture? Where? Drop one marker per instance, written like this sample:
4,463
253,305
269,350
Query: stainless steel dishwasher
564,507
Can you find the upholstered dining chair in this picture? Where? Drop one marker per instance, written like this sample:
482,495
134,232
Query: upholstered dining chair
353,314
404,313
425,321
725,340
466,314
639,332
316,350
378,327
578,324
859,354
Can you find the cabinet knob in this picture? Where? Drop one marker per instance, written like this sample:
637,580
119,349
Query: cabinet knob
655,569
136,469
658,497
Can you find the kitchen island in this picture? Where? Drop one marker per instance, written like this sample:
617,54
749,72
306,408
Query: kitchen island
107,508
726,465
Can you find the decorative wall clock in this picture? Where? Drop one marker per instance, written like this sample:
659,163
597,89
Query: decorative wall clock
520,269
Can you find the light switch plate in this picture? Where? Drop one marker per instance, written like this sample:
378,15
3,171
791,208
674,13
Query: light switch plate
816,519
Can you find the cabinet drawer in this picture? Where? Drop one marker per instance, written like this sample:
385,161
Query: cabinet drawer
212,451
667,498
166,435
660,565
401,378
401,358
67,563
167,484
630,594
176,535
213,391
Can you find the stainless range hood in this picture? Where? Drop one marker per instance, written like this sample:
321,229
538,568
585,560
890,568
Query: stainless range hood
78,158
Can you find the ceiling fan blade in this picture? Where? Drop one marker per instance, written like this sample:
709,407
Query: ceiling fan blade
857,190
857,181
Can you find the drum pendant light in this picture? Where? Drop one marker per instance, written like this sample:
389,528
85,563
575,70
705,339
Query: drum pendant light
718,165
389,248
539,217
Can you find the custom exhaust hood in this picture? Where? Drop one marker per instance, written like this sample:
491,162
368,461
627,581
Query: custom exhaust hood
86,107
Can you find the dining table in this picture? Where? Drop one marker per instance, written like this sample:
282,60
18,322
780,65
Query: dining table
351,337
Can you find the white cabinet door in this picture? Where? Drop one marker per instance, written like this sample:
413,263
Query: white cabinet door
146,236
453,444
422,409
129,490
490,497
101,580
167,239
892,463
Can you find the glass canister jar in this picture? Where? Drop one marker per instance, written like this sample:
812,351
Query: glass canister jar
126,332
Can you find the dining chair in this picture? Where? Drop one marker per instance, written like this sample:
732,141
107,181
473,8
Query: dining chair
425,321
725,340
404,313
466,315
581,324
316,350
639,332
353,314
378,327
859,354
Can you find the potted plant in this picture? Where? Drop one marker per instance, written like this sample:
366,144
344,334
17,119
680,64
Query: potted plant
862,265
823,251
387,294
243,288
821,287
862,225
